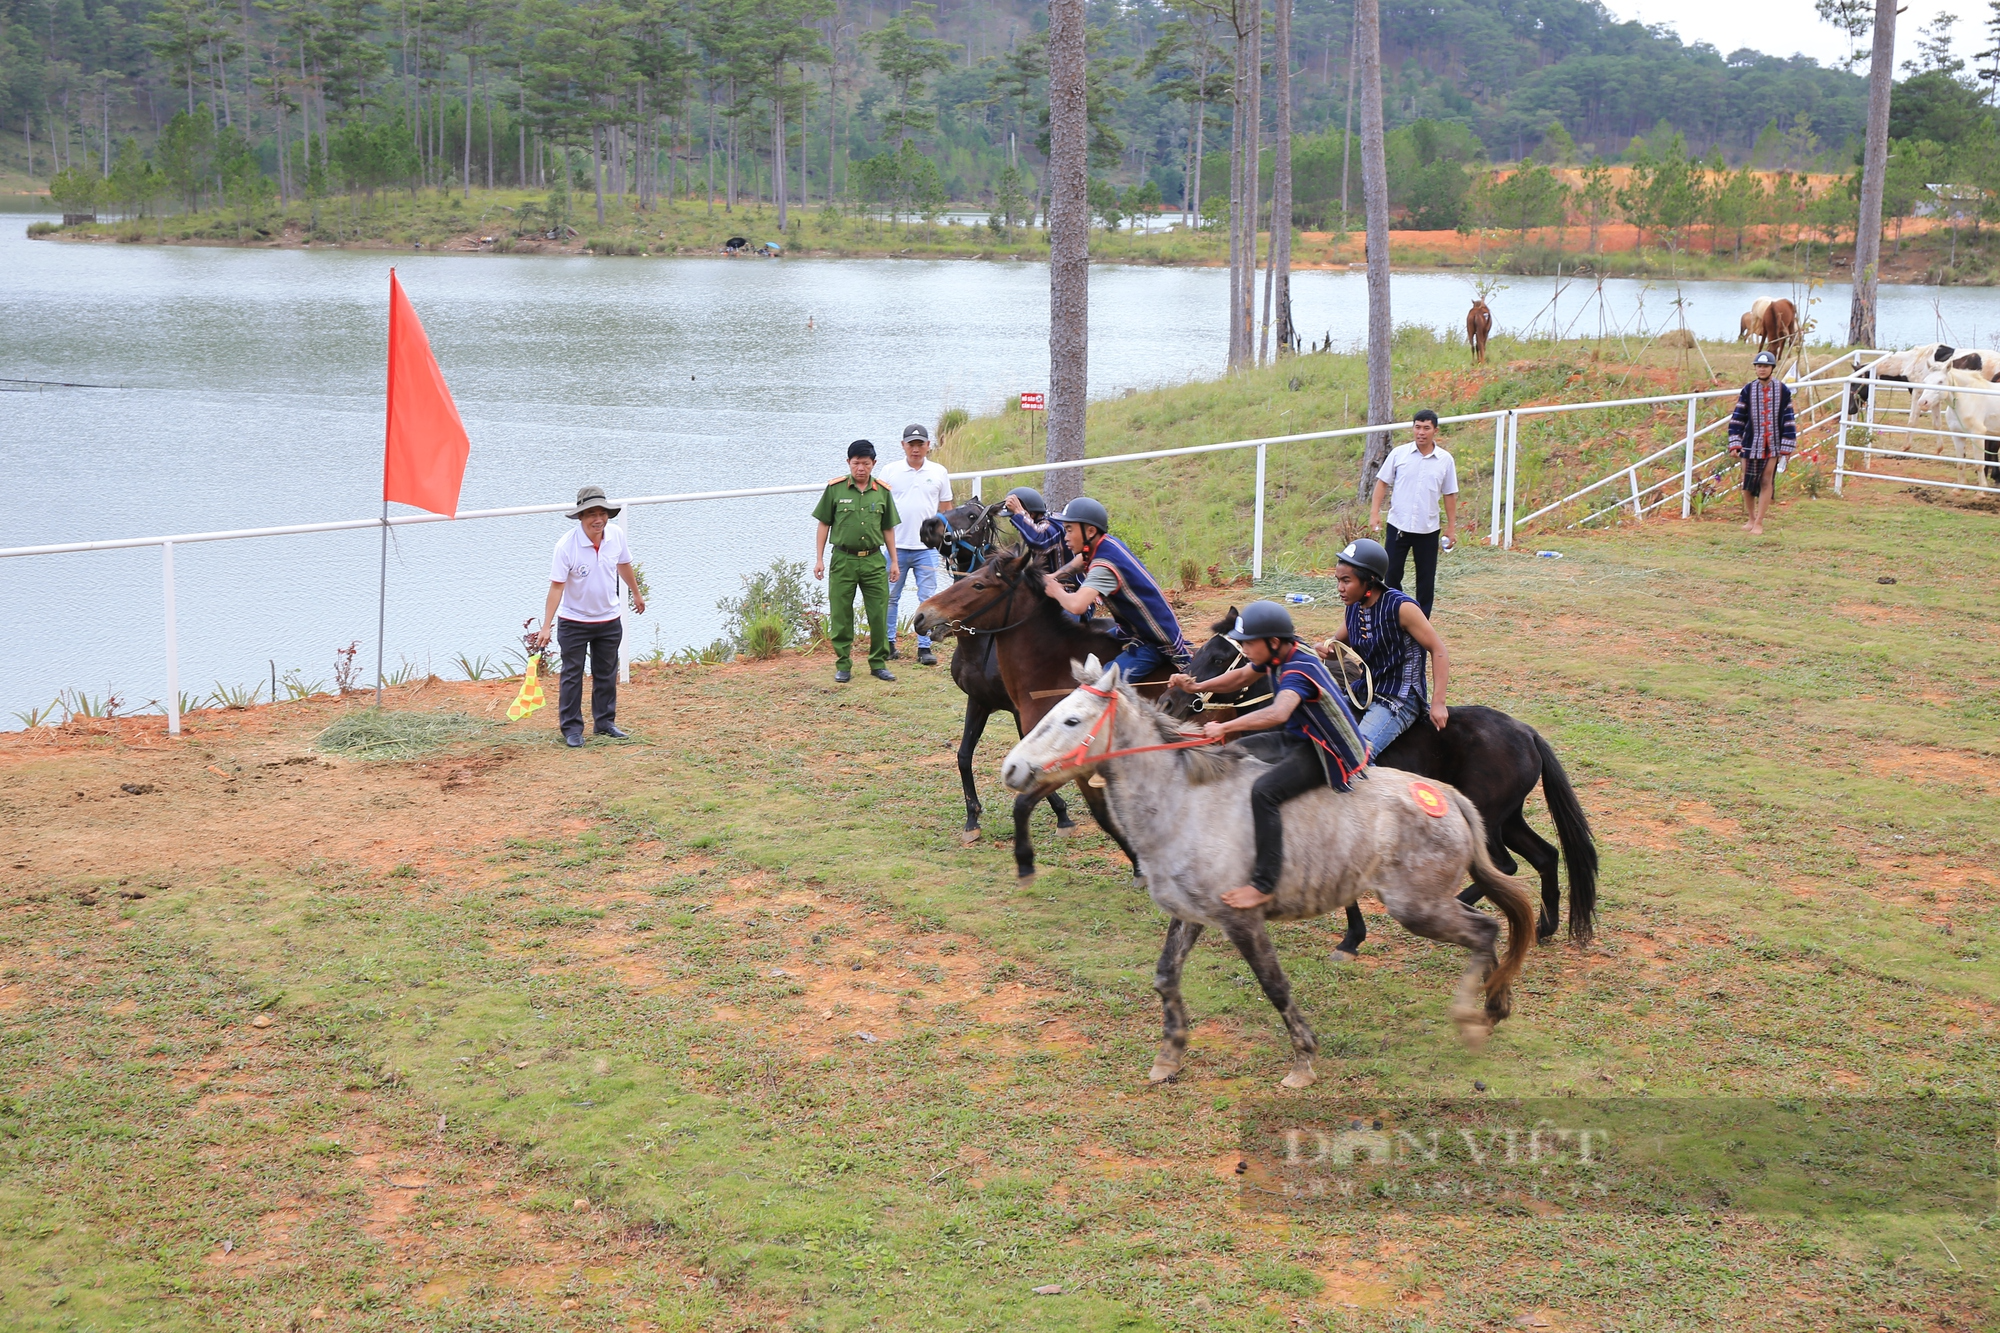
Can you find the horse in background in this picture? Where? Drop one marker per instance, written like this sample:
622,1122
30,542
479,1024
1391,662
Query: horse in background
1773,324
964,537
1478,325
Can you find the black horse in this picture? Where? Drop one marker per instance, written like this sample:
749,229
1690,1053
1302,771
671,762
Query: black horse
1496,760
964,536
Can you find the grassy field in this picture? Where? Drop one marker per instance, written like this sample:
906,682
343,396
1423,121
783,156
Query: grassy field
721,1028
1200,511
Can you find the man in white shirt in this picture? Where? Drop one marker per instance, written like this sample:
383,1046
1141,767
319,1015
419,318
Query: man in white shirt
1413,479
921,488
584,574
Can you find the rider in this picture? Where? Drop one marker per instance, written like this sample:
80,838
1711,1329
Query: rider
1320,745
1029,514
1389,631
1113,575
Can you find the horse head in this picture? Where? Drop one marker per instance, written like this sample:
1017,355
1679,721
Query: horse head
994,597
1057,746
1209,661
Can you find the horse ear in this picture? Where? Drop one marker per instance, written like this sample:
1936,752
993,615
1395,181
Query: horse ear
1109,682
1089,670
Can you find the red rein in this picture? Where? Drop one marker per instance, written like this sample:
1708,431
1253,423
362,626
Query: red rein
1081,757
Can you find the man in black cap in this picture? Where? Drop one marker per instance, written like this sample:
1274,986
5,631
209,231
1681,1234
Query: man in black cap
859,513
921,489
589,562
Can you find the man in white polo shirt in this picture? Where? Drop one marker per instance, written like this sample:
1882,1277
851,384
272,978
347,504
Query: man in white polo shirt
584,574
920,488
1413,479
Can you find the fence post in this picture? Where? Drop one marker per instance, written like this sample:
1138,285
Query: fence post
1257,538
1840,440
1632,474
1513,463
625,612
1874,392
1499,457
173,641
1687,466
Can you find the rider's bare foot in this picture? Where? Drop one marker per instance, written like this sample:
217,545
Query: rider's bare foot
1244,897
1756,529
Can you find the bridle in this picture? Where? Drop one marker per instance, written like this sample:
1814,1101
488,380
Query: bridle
1005,596
972,546
1081,757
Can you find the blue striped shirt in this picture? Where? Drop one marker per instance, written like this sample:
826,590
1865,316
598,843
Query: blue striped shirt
1395,660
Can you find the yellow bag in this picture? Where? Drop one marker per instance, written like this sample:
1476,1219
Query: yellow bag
531,696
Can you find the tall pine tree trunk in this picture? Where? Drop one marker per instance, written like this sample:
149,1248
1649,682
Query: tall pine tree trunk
1253,180
1069,249
1281,180
1874,175
1239,89
778,168
1375,200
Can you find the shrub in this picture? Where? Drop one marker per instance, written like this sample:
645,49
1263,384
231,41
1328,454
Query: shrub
43,229
764,637
784,594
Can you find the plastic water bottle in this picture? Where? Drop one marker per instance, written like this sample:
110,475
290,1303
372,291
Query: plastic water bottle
1299,598
1548,555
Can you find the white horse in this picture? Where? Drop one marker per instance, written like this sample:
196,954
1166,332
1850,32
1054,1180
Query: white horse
1971,366
1975,414
1186,812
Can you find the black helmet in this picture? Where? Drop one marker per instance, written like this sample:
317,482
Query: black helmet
1031,499
1263,620
1765,359
1365,553
1083,509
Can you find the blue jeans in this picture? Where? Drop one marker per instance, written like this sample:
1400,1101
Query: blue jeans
1385,720
924,563
1145,663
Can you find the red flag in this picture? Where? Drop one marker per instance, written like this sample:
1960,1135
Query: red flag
423,462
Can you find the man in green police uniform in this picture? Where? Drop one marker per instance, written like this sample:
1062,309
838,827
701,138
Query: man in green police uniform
860,515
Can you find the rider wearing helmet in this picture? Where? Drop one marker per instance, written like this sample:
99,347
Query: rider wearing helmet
1392,635
1319,747
1113,575
1029,513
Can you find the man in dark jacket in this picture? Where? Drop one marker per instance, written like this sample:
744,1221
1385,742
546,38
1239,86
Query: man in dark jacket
1763,433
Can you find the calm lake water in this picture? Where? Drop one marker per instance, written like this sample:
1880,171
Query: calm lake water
248,392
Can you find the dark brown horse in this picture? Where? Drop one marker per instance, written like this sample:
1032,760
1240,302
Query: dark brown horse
1478,324
1002,609
1497,761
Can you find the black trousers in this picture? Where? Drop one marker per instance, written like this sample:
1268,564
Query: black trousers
1423,545
601,638
1297,770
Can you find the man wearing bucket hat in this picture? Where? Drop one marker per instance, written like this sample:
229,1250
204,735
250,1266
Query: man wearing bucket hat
1391,634
584,574
859,514
1113,575
1320,745
1763,433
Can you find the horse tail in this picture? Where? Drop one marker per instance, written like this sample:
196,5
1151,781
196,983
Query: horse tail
1510,895
1578,847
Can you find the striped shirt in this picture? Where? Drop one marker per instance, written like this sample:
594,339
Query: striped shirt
1395,660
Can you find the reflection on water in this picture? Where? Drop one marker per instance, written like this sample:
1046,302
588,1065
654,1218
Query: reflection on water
248,392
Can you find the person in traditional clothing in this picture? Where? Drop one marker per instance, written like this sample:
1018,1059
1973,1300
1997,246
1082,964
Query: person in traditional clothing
1112,575
1320,745
1390,632
1763,433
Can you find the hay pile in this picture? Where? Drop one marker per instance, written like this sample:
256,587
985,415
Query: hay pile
370,733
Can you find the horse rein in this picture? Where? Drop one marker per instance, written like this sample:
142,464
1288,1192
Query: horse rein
1003,597
1081,757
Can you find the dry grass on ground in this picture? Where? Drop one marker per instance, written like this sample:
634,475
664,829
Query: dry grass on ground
720,1028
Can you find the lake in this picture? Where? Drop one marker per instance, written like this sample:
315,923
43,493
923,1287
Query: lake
246,390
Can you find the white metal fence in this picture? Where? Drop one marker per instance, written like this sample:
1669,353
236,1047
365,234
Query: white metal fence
1641,499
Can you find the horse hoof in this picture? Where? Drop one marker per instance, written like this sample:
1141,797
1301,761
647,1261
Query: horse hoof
1139,883
1302,1075
1162,1072
1066,830
1474,1029
968,837
1026,881
1346,956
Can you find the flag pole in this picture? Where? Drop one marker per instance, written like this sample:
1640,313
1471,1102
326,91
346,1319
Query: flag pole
382,605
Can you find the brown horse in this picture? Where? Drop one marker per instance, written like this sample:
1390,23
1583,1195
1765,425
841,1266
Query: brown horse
1478,324
1034,642
1773,324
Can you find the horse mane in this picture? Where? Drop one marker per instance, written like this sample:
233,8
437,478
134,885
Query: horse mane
1201,766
